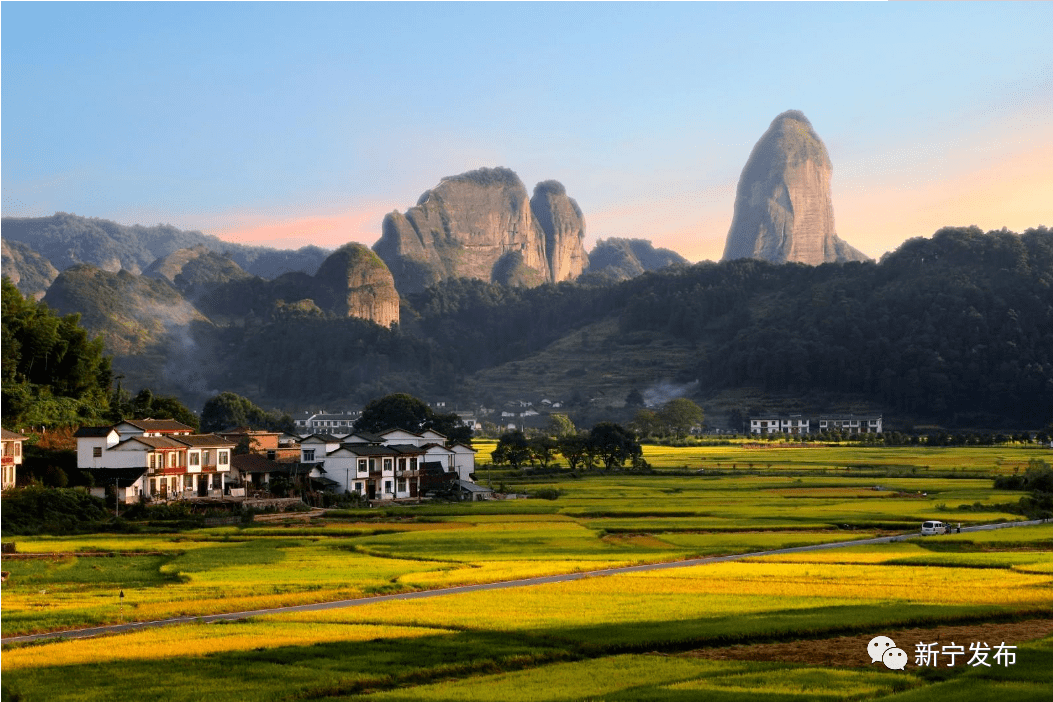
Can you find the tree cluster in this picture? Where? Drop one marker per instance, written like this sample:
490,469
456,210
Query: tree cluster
53,374
607,444
403,411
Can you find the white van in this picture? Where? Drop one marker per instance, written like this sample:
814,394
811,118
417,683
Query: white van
933,528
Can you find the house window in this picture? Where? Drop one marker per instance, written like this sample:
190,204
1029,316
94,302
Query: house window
362,467
195,459
402,485
205,458
358,487
402,464
413,463
387,464
308,454
271,454
153,486
224,458
387,486
96,452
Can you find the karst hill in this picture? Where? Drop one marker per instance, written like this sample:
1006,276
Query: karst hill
783,208
483,225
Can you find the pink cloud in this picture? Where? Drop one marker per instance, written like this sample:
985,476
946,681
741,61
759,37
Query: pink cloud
328,231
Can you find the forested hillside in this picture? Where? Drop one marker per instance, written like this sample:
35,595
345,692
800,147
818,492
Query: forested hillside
956,329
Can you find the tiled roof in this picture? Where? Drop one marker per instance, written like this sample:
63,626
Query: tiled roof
327,438
12,436
158,425
96,432
156,442
255,463
204,440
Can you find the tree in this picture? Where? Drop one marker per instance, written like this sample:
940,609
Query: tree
53,374
227,410
614,444
512,449
575,448
146,405
542,449
645,423
559,425
634,399
680,417
404,411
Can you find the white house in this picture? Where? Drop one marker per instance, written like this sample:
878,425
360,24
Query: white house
12,457
851,423
376,472
154,459
776,424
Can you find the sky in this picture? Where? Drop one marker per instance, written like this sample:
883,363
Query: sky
286,124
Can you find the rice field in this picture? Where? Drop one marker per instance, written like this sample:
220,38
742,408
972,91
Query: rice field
618,637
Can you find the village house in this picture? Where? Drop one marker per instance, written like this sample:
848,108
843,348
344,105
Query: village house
851,423
384,466
797,424
326,422
775,424
274,445
12,457
155,459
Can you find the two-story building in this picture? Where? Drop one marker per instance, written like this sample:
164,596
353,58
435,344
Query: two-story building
157,459
851,423
779,424
12,457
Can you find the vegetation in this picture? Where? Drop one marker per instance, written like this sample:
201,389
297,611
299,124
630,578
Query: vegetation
53,374
404,411
227,410
48,510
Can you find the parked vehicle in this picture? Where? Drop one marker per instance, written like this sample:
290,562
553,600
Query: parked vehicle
933,528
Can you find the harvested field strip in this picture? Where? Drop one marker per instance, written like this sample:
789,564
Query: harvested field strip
851,650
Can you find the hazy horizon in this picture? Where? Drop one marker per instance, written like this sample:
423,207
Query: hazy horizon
291,124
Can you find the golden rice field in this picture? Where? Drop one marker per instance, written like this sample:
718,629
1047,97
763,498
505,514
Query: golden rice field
617,637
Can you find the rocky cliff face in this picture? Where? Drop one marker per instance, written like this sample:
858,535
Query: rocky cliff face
783,208
563,225
29,271
482,225
354,282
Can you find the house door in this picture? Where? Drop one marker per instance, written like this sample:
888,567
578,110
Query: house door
202,486
371,490
412,488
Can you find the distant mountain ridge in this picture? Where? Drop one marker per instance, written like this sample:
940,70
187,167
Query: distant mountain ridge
616,259
66,240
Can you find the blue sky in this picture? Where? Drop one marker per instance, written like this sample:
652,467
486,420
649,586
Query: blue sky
294,123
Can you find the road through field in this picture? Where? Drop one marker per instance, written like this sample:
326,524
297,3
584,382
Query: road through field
525,582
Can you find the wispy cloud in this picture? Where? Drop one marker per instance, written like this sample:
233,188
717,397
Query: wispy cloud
288,230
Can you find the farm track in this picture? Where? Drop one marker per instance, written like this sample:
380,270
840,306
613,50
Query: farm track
526,582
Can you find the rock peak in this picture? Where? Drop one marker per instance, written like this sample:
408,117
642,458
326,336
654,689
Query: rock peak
483,225
783,207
